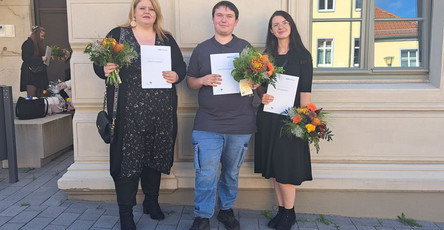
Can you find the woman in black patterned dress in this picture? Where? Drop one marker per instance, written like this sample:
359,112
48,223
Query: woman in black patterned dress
286,160
146,118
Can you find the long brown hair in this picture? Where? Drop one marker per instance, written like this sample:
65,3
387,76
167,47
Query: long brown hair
39,46
271,44
158,24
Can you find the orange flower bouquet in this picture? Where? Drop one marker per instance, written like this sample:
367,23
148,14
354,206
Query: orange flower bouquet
307,123
108,50
252,65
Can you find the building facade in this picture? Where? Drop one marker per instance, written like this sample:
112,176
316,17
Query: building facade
387,154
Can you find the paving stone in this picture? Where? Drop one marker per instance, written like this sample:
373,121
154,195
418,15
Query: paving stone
65,219
81,225
91,214
52,212
111,212
75,209
147,224
13,210
106,222
37,223
391,223
362,227
426,224
385,228
247,223
366,222
4,219
55,227
24,217
165,227
57,199
14,226
184,224
172,215
39,208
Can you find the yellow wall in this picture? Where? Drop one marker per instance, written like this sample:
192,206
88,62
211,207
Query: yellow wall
392,48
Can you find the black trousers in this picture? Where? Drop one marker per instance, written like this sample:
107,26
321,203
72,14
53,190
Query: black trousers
126,188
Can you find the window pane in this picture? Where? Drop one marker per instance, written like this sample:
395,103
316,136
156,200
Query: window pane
358,4
322,4
339,46
398,9
330,4
392,38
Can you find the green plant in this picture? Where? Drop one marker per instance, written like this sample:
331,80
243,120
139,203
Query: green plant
408,221
33,177
303,221
24,204
170,212
26,170
324,220
267,214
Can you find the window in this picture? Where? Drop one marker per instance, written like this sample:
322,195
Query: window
384,38
324,53
409,58
356,52
326,5
358,5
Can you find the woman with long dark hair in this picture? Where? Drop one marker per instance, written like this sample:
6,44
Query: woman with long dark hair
286,160
146,118
33,54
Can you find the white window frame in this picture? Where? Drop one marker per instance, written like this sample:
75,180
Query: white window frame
354,49
326,5
332,52
408,57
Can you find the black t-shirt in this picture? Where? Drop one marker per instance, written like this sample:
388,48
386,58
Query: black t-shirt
229,113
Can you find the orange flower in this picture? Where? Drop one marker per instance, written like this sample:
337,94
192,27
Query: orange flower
257,64
310,128
109,41
297,119
118,47
265,58
311,107
270,68
316,121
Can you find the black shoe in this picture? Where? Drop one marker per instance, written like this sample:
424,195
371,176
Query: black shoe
200,224
227,218
126,218
288,219
151,206
273,222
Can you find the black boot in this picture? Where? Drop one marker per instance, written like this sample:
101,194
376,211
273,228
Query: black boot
126,217
150,181
151,206
272,223
287,220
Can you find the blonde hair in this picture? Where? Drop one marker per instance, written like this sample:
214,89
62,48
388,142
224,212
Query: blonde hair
158,24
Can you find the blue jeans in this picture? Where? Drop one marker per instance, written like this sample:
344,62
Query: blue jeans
210,149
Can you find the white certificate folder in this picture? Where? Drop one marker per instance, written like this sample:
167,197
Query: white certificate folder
154,60
284,93
222,64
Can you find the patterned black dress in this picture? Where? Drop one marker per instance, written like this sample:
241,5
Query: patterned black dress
146,118
285,159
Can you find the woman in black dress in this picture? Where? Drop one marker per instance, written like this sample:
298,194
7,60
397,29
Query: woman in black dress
146,118
33,54
286,160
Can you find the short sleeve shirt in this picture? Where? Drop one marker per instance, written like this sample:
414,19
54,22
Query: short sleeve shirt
229,113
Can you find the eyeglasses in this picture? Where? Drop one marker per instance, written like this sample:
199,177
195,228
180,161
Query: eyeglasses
284,23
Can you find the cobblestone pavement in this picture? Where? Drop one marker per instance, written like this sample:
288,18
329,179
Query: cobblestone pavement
35,202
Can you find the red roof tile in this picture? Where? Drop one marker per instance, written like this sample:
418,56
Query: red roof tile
393,29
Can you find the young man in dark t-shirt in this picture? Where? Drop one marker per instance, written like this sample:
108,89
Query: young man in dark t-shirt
222,127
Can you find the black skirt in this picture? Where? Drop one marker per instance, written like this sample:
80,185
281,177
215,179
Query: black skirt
284,158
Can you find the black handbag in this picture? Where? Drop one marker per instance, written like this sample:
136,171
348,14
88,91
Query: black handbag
37,68
31,108
104,124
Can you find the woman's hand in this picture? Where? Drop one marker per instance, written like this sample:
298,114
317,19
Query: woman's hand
211,80
44,58
170,76
267,99
252,85
109,68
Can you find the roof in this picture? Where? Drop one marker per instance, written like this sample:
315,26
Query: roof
393,29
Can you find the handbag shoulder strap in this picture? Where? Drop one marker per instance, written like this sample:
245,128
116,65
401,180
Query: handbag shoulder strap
115,100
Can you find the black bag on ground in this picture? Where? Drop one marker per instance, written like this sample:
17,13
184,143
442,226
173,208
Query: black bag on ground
37,68
30,109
